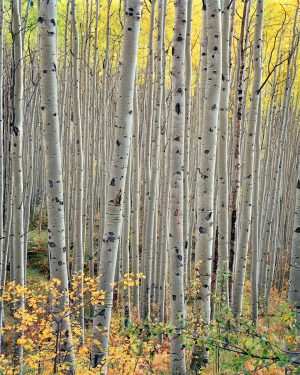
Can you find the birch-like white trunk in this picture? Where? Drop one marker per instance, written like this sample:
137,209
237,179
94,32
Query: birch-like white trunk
78,204
206,170
47,27
176,240
17,167
255,223
294,279
247,180
149,201
135,204
188,92
116,182
222,159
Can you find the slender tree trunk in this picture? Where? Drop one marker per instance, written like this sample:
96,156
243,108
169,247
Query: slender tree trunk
47,24
206,173
78,211
17,168
294,279
176,241
135,202
255,223
236,162
222,160
2,175
116,183
149,181
188,92
125,247
247,202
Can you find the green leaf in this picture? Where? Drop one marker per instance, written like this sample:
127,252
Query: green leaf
281,364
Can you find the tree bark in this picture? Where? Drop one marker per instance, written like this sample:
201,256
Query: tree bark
176,241
47,27
116,183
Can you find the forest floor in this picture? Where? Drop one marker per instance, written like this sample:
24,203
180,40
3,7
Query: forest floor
130,355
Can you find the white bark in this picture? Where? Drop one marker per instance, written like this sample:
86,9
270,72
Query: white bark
206,171
247,180
135,257
78,204
222,160
294,279
176,241
149,201
17,167
188,92
116,183
47,26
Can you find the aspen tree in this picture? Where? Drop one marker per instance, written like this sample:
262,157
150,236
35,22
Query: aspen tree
176,241
135,200
282,151
2,175
125,246
103,152
116,183
188,91
47,27
207,161
152,194
236,143
201,95
149,199
78,204
164,191
222,161
247,202
206,170
255,222
17,167
202,87
294,278
91,188
8,229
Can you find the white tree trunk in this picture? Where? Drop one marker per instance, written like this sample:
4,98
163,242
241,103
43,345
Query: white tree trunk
17,167
47,26
78,204
294,279
247,202
206,171
188,92
222,160
116,183
176,241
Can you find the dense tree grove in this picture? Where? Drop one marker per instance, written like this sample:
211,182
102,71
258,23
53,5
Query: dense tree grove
149,187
